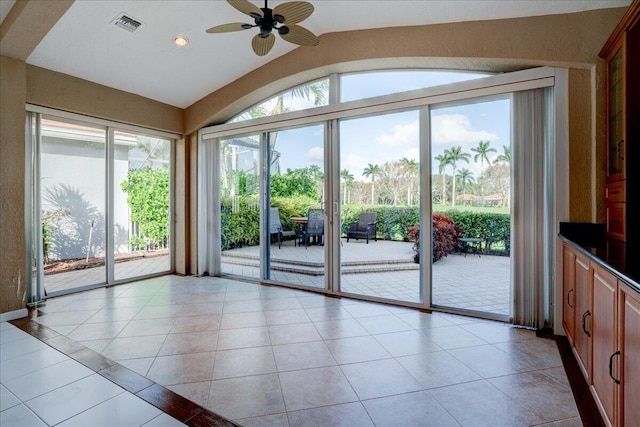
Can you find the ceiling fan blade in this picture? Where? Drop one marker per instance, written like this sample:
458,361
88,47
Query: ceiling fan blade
300,35
262,46
245,7
294,12
227,28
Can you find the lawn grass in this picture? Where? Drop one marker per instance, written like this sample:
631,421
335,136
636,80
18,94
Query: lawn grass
467,208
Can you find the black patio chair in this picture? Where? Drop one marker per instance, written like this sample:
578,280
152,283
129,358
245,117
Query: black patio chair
364,228
315,226
275,227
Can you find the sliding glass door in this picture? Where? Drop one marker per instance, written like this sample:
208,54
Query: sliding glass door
100,199
297,215
471,207
380,206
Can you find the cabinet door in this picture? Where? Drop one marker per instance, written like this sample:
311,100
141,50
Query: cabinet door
582,335
604,339
616,152
569,291
629,332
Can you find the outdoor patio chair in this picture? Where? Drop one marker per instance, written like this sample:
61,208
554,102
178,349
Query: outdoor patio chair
315,226
275,227
364,228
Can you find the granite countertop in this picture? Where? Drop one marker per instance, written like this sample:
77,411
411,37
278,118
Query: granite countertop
617,257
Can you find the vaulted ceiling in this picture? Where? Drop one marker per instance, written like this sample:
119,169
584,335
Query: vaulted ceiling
82,40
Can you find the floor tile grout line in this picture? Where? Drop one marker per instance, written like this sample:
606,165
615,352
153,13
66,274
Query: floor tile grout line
27,325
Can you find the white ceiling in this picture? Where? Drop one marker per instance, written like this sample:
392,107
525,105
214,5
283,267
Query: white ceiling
85,43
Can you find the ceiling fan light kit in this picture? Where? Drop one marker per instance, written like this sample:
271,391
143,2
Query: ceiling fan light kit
283,18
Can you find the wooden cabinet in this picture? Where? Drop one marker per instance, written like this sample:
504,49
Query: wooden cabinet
602,320
604,339
622,56
629,358
582,336
569,291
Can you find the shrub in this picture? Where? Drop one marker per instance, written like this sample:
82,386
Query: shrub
493,229
445,237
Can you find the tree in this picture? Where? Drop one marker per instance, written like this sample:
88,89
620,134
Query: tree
481,153
455,154
297,182
318,177
505,156
148,198
372,171
348,179
411,170
466,177
444,161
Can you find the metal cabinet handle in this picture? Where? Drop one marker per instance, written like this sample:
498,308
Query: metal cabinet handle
584,321
617,353
569,298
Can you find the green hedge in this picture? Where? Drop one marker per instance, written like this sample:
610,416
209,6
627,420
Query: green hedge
494,229
242,227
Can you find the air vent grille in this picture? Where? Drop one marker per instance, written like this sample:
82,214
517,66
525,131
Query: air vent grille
128,23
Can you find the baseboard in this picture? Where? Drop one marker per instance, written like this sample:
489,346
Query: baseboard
13,315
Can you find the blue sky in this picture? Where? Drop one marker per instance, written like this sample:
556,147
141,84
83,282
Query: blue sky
392,136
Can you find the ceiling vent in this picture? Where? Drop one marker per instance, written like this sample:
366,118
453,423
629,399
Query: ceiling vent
128,23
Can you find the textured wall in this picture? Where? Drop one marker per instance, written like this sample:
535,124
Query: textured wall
13,87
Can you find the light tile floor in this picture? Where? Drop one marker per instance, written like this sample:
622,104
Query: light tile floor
40,386
280,357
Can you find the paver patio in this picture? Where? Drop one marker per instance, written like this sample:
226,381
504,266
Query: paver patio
381,269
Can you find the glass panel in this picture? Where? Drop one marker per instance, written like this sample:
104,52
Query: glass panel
368,85
471,155
141,205
311,95
240,205
616,113
297,220
380,209
73,204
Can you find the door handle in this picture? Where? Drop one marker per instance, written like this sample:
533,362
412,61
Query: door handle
617,353
569,298
584,322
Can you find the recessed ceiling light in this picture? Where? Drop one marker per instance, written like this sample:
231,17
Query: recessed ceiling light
180,40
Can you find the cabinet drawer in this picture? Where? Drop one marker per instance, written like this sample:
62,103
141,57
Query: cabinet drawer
616,220
615,192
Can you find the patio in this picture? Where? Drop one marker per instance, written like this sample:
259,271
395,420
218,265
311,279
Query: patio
382,269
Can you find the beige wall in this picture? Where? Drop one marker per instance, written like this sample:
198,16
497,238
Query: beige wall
571,41
13,87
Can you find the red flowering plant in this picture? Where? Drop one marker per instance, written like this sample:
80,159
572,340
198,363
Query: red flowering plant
445,237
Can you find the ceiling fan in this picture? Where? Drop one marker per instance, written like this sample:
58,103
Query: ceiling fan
283,18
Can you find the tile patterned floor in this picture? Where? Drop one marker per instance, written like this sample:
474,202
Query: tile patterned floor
40,386
262,356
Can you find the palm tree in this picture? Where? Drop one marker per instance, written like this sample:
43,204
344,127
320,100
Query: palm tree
466,177
481,153
347,178
372,171
318,177
444,162
411,168
505,156
455,154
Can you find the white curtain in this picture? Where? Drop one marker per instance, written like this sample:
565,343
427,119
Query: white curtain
532,168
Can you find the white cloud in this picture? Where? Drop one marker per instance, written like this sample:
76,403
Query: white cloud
456,129
401,135
354,164
315,154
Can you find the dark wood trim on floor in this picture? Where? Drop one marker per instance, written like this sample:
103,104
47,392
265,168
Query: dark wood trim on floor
589,413
161,397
